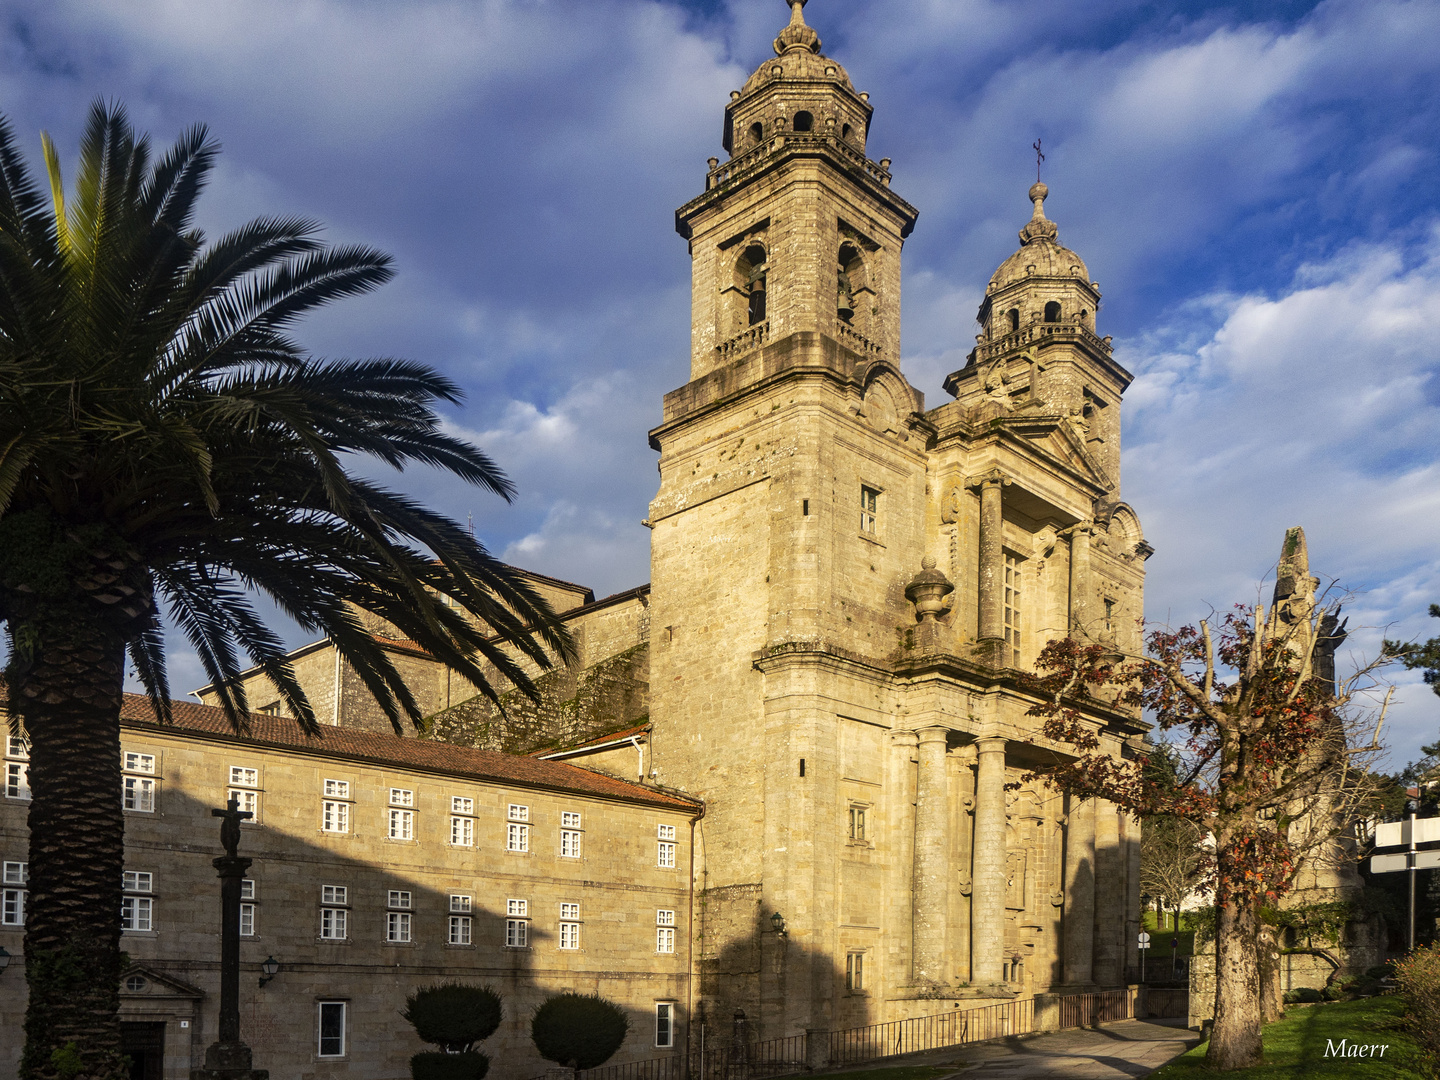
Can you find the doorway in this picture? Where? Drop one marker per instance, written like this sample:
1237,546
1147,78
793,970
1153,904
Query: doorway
144,1044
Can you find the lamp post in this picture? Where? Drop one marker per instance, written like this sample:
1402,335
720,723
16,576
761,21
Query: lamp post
269,968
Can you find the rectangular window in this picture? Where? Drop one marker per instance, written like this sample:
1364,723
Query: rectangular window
665,931
462,831
1012,608
17,780
517,837
664,1023
243,777
460,929
569,844
569,926
869,509
518,813
854,971
12,900
332,1029
857,824
337,789
16,747
398,898
665,853
401,797
334,816
397,926
334,894
247,802
140,794
136,913
334,923
460,903
247,889
139,763
460,805
402,824
138,881
569,820
247,920
517,925
16,873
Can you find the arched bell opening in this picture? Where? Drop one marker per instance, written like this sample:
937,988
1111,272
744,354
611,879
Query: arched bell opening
1052,311
750,270
804,121
853,287
1014,316
757,133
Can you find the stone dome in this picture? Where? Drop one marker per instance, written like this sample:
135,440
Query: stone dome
1040,250
797,56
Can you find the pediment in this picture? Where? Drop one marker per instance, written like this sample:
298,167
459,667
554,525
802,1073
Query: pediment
156,984
1054,436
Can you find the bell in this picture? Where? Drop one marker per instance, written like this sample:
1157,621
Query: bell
846,307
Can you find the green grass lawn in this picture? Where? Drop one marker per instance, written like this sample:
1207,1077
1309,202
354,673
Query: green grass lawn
1295,1046
1160,939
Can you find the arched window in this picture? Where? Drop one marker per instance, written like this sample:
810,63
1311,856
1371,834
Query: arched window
1014,319
757,132
1084,317
804,121
851,274
750,281
1052,311
845,132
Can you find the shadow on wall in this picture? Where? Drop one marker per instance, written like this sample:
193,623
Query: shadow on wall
357,932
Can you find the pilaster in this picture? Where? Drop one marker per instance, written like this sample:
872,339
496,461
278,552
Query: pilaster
932,863
987,920
1079,919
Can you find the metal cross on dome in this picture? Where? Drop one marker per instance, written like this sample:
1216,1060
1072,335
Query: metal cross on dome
1039,157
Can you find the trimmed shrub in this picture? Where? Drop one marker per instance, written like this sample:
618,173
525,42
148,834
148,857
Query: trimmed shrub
578,1030
434,1065
1419,978
1304,995
453,1016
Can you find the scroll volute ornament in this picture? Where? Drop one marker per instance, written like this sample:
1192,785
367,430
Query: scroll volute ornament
928,591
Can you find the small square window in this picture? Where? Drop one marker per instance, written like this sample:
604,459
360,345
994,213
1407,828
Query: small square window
518,813
16,747
570,820
398,898
139,762
138,881
461,805
334,894
247,889
665,832
519,908
337,789
569,911
402,797
460,903
15,873
243,777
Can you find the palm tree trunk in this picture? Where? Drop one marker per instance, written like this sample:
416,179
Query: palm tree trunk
69,700
1235,1040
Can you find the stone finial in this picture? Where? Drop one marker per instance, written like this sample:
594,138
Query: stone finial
1294,587
928,589
1039,226
797,35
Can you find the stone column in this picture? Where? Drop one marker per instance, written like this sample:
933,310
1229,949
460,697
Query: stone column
1109,894
931,887
990,629
899,955
1079,891
987,905
1079,576
1130,845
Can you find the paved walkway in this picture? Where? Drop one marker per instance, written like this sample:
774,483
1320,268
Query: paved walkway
1119,1051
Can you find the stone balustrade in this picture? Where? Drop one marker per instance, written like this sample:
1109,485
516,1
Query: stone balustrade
740,166
1037,332
752,337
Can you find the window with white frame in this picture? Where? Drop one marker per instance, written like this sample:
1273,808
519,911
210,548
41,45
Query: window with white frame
517,828
462,821
517,924
334,912
665,1023
460,920
335,807
569,926
138,781
854,971
244,789
332,1029
137,908
664,931
869,510
665,847
570,835
1012,608
398,917
247,908
14,882
402,822
17,768
857,825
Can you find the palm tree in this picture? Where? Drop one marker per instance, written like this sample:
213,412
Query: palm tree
164,443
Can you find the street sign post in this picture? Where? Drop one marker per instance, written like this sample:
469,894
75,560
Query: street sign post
1144,944
1411,832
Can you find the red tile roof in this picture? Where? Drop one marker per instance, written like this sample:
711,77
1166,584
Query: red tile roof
614,736
286,734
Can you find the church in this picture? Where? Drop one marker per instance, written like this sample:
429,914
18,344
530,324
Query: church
795,759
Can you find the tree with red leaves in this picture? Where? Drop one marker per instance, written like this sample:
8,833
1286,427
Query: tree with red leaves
1260,729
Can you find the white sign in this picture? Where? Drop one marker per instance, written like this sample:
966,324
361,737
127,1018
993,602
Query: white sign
1386,864
1427,860
1396,833
1144,940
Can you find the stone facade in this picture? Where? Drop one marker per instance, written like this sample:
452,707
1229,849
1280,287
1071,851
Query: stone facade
615,877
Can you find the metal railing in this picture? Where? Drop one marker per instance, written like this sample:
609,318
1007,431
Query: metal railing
796,1054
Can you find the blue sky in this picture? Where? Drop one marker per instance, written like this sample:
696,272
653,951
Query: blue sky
1253,185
